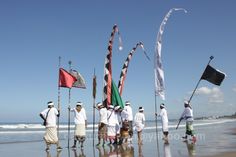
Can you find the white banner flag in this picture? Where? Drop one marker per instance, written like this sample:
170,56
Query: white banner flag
158,68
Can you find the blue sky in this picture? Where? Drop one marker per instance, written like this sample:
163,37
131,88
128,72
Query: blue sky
33,34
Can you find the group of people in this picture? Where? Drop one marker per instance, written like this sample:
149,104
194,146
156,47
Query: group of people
115,123
186,115
50,115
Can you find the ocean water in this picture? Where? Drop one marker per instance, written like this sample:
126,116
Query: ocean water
33,132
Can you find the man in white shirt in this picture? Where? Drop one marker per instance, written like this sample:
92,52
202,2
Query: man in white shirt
188,116
49,116
113,124
80,120
102,127
129,112
164,120
139,123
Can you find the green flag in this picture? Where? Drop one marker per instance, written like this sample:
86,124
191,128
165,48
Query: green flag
116,98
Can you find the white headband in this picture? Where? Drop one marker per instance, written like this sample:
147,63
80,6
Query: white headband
79,103
50,103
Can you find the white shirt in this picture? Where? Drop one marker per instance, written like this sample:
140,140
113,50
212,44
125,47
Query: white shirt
52,116
187,114
139,118
112,118
129,111
80,117
103,115
124,115
163,115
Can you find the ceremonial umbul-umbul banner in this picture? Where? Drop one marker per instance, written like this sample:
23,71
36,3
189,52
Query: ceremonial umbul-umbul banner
115,96
158,67
80,83
213,75
66,79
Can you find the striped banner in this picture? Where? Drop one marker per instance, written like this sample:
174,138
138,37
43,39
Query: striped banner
107,84
126,64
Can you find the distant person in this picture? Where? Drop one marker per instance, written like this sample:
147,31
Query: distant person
49,116
80,120
139,123
129,112
102,126
188,116
164,120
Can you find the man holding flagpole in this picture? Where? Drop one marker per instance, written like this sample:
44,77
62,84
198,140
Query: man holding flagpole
188,116
164,120
102,126
80,120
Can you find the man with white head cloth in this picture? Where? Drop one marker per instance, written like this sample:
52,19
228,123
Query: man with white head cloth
102,126
188,116
49,116
164,120
80,120
139,123
129,112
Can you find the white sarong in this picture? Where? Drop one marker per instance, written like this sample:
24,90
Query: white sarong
138,126
80,130
50,135
165,126
111,132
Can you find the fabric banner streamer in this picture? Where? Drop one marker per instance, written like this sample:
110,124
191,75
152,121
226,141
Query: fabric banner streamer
66,79
126,64
212,75
158,68
94,86
116,98
107,84
80,83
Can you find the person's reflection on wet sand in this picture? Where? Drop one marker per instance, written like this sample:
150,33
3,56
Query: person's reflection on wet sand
81,153
167,152
191,148
127,150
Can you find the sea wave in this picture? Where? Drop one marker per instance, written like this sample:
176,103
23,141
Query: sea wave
34,126
197,123
38,128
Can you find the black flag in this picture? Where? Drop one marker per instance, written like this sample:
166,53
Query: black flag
213,75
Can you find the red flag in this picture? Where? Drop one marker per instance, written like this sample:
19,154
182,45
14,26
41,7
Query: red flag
66,79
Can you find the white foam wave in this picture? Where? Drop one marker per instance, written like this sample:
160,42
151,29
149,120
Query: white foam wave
38,128
34,126
207,122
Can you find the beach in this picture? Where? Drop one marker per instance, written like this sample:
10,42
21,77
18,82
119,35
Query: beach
214,138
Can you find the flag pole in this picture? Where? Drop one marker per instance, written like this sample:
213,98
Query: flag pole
158,152
211,57
94,97
59,99
69,110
